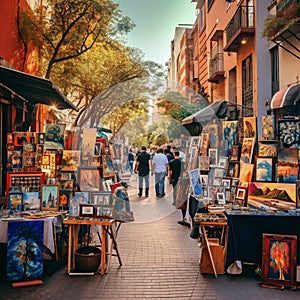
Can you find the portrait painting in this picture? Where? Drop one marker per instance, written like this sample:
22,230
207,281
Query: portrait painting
249,127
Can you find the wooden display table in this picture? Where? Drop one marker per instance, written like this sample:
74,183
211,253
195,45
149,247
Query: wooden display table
109,229
213,249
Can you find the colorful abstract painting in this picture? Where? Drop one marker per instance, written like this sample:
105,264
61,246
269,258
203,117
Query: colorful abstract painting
25,250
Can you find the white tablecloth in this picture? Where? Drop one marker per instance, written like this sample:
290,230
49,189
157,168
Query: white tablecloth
48,230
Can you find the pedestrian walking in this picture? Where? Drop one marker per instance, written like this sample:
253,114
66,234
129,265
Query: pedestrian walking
176,166
160,166
142,168
130,161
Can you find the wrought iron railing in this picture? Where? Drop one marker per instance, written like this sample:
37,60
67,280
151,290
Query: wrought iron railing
216,64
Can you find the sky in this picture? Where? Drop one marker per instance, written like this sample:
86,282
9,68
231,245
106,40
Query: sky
155,22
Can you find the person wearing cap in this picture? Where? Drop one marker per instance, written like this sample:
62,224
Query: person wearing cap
142,167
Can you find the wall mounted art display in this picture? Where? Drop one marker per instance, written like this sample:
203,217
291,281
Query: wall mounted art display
289,133
15,201
54,136
246,172
50,197
247,150
25,250
268,148
287,165
230,135
88,145
195,182
249,127
70,160
279,255
264,169
31,201
272,195
268,128
89,179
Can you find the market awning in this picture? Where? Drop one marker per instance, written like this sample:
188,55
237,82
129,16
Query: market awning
218,109
286,97
34,89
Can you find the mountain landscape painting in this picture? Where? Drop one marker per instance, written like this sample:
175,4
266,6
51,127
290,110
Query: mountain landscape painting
272,196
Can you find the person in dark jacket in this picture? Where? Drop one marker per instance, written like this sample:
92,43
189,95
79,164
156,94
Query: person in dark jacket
142,167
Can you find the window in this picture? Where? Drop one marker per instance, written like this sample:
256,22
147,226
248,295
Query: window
201,18
274,69
247,84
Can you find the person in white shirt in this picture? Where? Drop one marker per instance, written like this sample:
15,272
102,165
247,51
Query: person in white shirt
160,166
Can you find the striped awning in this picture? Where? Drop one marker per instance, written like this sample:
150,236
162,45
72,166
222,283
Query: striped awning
286,97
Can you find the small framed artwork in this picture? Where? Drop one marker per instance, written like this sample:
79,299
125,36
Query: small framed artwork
233,169
268,128
268,149
97,150
249,127
31,201
241,196
54,136
107,166
46,160
219,172
264,169
204,143
28,160
221,198
204,163
102,198
41,138
104,211
226,182
49,197
287,165
235,181
195,182
230,135
70,160
15,201
222,162
213,157
289,133
195,142
234,153
89,179
246,172
64,198
82,197
279,260
247,150
212,190
87,210
204,179
29,147
213,131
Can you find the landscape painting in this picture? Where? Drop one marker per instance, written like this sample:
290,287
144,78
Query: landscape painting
272,196
287,166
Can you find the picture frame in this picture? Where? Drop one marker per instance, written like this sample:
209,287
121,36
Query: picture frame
46,160
204,143
264,169
287,165
268,128
267,148
70,160
289,133
108,170
221,198
204,179
195,180
193,161
102,198
213,131
15,201
234,153
213,157
29,147
233,169
64,198
31,201
250,127
204,163
226,182
246,172
89,179
247,150
230,135
222,162
241,196
194,143
219,172
49,197
104,211
87,210
54,136
279,260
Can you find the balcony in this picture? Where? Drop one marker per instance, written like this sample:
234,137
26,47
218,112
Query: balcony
216,68
286,8
240,27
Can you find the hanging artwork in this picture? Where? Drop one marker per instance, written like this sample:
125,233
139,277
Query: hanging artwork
268,128
54,136
25,250
89,179
279,260
249,127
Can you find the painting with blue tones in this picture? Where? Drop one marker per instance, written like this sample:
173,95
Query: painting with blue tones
25,250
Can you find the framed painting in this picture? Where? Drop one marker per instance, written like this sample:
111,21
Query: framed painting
107,166
221,198
104,211
25,250
279,260
89,179
213,131
195,182
88,145
49,197
264,168
102,198
16,159
15,201
70,160
268,148
287,165
241,196
226,182
246,172
29,147
54,136
28,161
268,128
223,162
272,195
204,179
247,150
64,198
195,142
233,169
289,133
87,210
204,163
193,159
31,201
46,160
250,127
211,191
230,135
234,153
213,157
219,172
